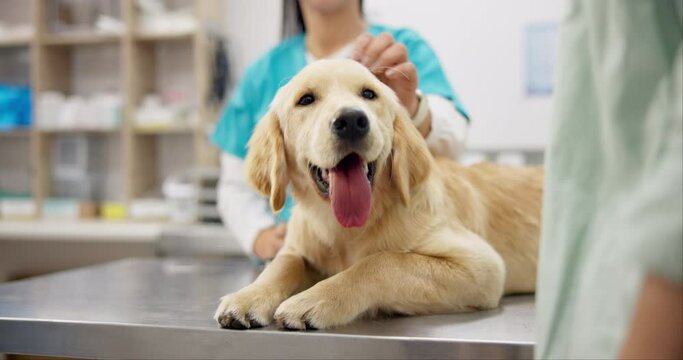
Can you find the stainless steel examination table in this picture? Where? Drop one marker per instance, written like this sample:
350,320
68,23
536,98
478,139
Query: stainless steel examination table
163,308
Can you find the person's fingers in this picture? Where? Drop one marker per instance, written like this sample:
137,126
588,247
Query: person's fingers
404,73
395,54
278,242
359,45
269,254
376,47
271,245
403,79
281,230
269,241
275,246
261,248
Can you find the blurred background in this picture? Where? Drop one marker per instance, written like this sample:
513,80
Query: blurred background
106,107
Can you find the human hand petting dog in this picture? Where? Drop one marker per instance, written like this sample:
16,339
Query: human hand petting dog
389,61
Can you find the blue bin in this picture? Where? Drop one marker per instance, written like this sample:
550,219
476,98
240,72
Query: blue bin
15,107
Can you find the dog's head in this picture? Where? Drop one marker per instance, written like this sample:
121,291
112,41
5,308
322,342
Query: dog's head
336,133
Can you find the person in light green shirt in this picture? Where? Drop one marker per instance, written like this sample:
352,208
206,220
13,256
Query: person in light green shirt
611,255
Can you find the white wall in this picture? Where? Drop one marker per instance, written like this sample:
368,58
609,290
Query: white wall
480,44
252,27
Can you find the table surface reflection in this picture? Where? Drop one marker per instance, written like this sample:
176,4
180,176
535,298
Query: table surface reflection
162,308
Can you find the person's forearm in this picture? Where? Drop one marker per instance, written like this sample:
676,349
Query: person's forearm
656,330
244,215
244,212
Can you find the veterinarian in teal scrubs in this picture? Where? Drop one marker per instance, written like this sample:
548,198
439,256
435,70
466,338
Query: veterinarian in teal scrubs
611,259
326,23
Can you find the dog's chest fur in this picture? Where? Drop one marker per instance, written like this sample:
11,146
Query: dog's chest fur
342,249
338,256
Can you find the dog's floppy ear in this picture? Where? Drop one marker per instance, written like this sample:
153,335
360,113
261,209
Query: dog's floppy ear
266,166
411,160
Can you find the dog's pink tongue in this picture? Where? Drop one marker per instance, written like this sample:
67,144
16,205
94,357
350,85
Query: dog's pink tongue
350,192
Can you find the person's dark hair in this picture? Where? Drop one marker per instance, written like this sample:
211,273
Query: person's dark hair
293,19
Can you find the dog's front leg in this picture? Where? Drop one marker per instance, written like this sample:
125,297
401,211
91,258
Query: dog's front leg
254,305
467,278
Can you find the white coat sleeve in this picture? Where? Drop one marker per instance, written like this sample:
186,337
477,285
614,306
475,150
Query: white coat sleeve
449,128
244,212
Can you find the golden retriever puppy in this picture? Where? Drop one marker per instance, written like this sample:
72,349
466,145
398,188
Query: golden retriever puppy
380,224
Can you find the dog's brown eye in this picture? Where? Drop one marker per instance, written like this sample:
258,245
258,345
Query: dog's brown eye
368,94
307,99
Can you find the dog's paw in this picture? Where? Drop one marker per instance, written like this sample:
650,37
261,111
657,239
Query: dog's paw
247,308
312,310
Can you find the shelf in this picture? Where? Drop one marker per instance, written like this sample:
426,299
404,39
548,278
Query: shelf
15,41
79,230
81,38
15,133
151,37
172,130
86,131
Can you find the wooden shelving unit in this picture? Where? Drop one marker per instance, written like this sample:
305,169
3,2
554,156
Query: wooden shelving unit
15,41
52,69
80,39
16,133
177,130
151,37
79,131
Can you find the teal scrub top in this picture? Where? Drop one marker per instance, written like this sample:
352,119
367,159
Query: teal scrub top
613,205
265,76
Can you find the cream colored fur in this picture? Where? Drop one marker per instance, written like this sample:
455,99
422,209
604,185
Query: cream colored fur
441,238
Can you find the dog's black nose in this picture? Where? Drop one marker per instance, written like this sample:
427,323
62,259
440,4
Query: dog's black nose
351,125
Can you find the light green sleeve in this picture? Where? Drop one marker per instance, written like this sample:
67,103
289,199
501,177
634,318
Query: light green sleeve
656,216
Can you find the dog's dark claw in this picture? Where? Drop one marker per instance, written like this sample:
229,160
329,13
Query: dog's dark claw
237,325
309,326
289,327
224,322
232,322
252,322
